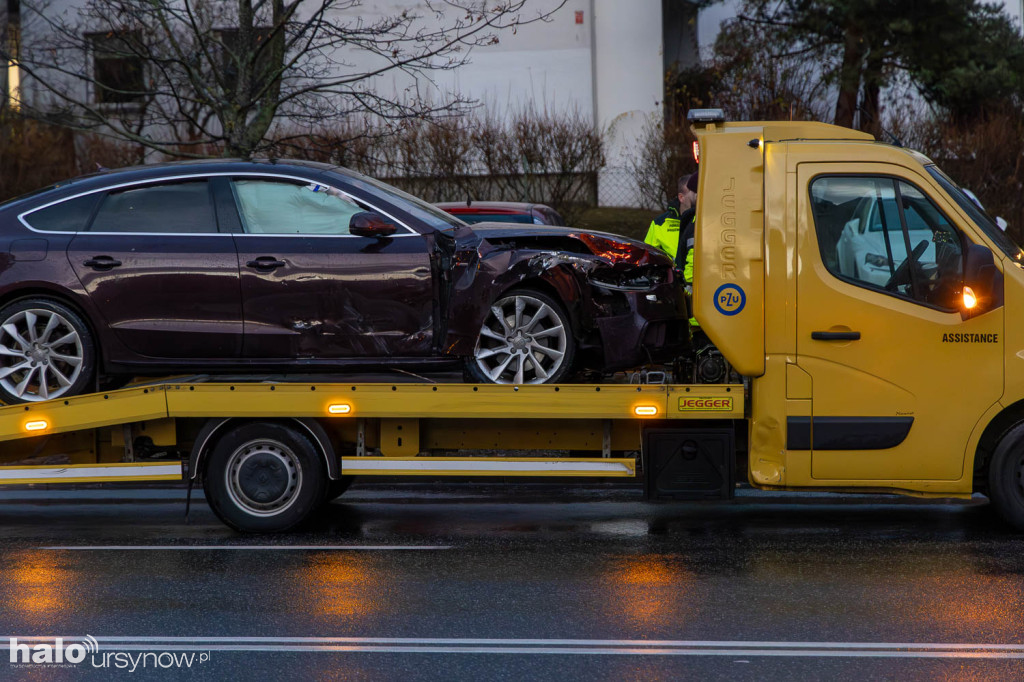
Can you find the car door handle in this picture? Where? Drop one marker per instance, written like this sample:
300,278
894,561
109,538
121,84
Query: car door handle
102,263
266,263
835,336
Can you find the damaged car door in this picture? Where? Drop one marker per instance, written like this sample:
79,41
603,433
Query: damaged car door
324,275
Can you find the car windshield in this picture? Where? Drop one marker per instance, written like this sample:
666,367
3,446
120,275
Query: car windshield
977,214
414,206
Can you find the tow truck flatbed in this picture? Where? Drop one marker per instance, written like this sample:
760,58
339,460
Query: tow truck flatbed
159,431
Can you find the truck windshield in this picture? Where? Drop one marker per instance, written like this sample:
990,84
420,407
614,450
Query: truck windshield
977,214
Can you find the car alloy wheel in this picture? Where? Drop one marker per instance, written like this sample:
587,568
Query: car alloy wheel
524,340
42,354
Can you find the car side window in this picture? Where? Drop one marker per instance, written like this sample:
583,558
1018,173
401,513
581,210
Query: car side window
886,234
167,208
66,216
282,207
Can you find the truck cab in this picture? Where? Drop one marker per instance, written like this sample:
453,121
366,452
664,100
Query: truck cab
866,297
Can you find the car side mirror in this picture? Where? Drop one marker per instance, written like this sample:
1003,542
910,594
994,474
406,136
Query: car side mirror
370,224
983,282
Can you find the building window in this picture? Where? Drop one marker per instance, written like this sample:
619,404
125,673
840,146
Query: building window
117,68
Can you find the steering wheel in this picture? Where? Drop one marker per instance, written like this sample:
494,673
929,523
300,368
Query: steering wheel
902,273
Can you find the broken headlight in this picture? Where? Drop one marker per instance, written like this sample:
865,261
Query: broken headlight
634,279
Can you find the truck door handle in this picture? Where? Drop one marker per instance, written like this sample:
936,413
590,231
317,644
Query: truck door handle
102,263
266,263
835,336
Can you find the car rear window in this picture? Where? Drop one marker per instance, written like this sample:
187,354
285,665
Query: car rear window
67,216
178,208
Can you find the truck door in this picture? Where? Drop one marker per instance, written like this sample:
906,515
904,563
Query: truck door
899,377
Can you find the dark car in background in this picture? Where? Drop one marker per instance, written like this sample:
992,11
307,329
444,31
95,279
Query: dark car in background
298,267
503,212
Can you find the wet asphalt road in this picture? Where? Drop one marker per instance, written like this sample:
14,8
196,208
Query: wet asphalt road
509,583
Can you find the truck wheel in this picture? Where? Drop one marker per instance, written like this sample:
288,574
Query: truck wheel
264,477
336,488
1006,477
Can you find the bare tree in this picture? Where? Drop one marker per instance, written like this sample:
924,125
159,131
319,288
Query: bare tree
194,78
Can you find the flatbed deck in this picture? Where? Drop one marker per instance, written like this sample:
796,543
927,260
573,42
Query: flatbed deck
397,428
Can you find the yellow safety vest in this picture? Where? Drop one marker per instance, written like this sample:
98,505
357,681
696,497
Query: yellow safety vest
664,232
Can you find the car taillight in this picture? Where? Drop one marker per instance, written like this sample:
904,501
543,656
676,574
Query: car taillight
614,250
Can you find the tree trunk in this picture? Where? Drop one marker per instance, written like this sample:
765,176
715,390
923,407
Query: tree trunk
871,107
850,78
247,127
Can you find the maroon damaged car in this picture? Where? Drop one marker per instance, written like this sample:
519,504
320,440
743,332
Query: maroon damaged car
299,267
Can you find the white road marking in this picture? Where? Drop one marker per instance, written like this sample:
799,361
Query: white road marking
148,548
589,647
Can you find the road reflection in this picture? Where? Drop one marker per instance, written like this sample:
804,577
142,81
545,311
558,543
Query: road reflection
38,586
647,590
333,585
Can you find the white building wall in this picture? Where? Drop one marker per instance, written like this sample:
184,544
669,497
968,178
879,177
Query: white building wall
546,64
629,85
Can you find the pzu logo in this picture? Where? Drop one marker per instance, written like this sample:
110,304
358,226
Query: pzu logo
730,299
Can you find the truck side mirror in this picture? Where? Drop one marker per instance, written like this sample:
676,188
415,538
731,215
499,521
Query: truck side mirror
983,282
370,224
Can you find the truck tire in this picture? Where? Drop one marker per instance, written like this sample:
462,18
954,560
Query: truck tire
336,488
264,477
1006,477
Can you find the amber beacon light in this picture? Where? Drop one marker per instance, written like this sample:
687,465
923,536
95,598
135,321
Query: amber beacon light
37,425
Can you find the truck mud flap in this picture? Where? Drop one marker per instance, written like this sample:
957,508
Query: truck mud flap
697,463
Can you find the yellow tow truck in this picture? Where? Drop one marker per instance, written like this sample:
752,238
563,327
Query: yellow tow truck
855,287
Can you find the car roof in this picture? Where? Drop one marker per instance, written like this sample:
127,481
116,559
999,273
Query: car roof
107,177
489,206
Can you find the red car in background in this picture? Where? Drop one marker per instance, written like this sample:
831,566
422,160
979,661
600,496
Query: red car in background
503,212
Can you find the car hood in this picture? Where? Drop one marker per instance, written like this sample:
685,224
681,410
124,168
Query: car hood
612,248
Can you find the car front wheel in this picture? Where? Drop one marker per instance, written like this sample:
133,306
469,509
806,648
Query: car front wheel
526,338
46,351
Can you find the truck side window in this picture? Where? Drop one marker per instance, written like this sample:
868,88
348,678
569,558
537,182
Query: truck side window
886,234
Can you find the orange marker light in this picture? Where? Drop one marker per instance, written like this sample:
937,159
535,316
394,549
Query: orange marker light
339,408
37,425
645,410
970,300
696,151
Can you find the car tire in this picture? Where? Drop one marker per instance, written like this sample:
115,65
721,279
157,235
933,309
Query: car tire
264,477
46,351
526,338
1006,477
